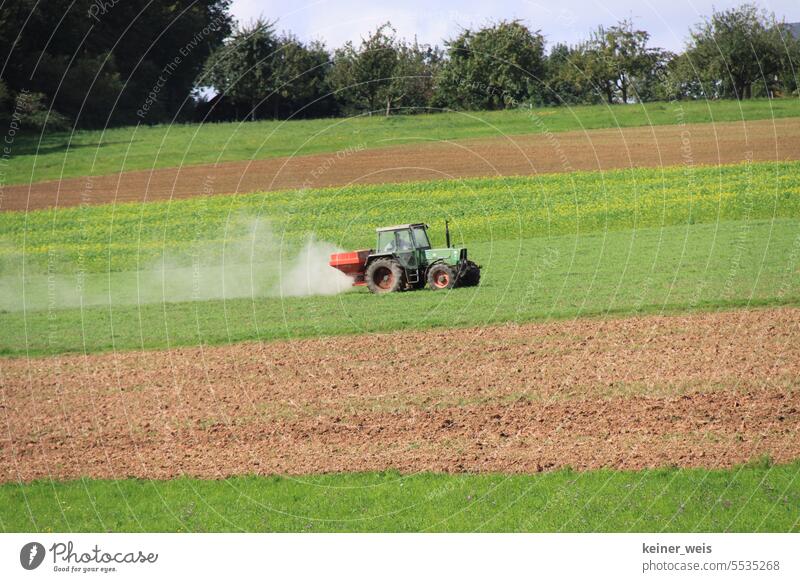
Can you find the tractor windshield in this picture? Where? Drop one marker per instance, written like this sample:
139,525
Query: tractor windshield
421,238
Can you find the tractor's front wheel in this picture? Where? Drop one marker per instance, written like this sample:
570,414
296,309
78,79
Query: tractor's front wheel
384,276
441,276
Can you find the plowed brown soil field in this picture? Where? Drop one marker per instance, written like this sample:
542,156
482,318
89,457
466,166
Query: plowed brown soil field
709,390
536,153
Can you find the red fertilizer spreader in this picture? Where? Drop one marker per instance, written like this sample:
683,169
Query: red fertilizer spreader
353,264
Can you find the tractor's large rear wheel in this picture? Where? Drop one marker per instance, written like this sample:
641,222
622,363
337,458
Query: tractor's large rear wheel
384,276
441,276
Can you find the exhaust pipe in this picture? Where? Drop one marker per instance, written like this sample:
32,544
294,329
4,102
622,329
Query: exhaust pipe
447,232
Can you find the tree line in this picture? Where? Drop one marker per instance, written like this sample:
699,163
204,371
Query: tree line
110,63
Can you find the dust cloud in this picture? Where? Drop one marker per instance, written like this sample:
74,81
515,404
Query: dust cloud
247,260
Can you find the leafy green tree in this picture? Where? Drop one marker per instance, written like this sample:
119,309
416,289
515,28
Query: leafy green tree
161,54
414,76
786,82
652,84
681,80
35,114
4,99
363,76
65,87
493,68
620,63
738,49
567,78
301,79
99,63
244,69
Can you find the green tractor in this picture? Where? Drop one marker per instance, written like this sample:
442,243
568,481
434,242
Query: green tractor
403,259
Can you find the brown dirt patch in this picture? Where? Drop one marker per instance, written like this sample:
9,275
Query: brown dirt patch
765,140
707,390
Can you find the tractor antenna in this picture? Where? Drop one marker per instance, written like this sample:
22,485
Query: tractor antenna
447,232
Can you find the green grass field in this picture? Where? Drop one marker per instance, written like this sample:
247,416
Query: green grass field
732,264
626,242
754,498
141,148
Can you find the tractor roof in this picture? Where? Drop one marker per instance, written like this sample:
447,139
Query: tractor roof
401,226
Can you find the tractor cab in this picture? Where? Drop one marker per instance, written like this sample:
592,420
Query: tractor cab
407,243
403,237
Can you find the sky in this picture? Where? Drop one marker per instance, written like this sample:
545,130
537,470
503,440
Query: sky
337,21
